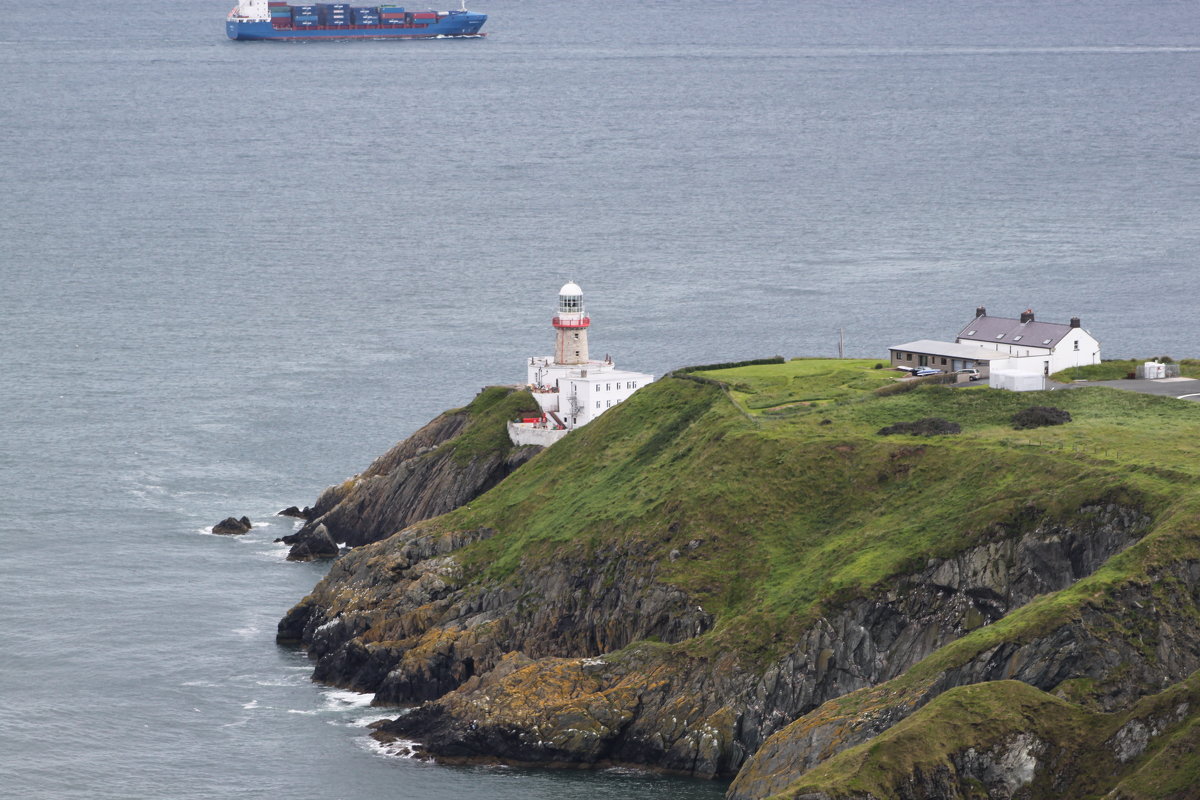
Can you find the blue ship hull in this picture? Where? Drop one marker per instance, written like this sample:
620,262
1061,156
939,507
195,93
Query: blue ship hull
461,24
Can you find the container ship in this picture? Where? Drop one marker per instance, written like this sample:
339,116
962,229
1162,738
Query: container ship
275,19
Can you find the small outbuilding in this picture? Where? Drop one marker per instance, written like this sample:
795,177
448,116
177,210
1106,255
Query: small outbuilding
946,356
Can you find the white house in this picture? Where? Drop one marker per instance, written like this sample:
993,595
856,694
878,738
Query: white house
571,389
1032,346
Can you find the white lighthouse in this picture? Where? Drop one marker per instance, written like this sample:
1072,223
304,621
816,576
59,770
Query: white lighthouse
571,389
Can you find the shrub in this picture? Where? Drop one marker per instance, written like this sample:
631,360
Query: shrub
929,426
727,365
1038,417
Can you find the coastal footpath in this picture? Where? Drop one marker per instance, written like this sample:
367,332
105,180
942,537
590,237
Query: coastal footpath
744,572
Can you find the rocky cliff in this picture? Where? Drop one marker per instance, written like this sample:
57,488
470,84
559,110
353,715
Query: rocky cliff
737,576
449,462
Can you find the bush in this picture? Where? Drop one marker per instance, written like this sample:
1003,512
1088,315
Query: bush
929,426
727,365
1039,417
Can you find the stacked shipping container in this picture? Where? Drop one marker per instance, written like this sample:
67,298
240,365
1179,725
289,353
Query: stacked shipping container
281,13
392,15
305,17
342,15
365,16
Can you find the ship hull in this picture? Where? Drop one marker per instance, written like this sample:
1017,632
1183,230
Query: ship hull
459,25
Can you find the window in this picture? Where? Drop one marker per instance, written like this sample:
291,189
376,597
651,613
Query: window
618,386
597,404
577,354
608,404
633,384
608,387
1017,338
1045,341
970,333
943,361
999,335
1076,345
908,356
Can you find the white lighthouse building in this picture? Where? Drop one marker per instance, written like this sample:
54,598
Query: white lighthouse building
571,389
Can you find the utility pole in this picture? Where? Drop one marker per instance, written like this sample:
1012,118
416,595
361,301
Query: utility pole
841,343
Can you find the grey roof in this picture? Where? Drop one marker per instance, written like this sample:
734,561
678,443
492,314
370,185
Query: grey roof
930,347
1002,330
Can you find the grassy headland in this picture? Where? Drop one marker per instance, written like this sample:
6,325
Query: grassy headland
765,496
797,512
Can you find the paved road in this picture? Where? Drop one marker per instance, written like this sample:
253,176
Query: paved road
1184,388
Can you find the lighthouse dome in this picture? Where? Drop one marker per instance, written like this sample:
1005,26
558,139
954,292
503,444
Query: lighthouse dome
570,299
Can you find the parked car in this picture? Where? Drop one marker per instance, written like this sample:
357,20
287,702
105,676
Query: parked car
972,374
926,371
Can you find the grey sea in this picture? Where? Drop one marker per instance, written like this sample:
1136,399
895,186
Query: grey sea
231,274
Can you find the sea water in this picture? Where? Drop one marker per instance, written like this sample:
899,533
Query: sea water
231,274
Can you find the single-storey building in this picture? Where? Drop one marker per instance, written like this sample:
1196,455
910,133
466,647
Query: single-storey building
946,356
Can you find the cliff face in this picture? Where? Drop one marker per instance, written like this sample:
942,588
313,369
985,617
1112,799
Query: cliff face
1120,652
427,474
695,586
704,715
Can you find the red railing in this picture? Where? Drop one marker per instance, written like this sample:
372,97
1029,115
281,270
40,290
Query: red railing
582,322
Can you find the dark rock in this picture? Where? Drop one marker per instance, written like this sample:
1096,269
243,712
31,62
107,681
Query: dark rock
232,526
292,511
929,426
314,544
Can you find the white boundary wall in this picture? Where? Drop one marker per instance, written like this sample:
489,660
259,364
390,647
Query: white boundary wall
522,433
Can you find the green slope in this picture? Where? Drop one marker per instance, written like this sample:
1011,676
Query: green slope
803,511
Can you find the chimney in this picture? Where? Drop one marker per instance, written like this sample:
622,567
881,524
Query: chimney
1074,322
980,311
1027,315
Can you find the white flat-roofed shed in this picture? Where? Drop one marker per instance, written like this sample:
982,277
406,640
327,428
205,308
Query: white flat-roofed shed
946,356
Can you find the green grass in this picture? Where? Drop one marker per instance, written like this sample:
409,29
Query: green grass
487,431
805,381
